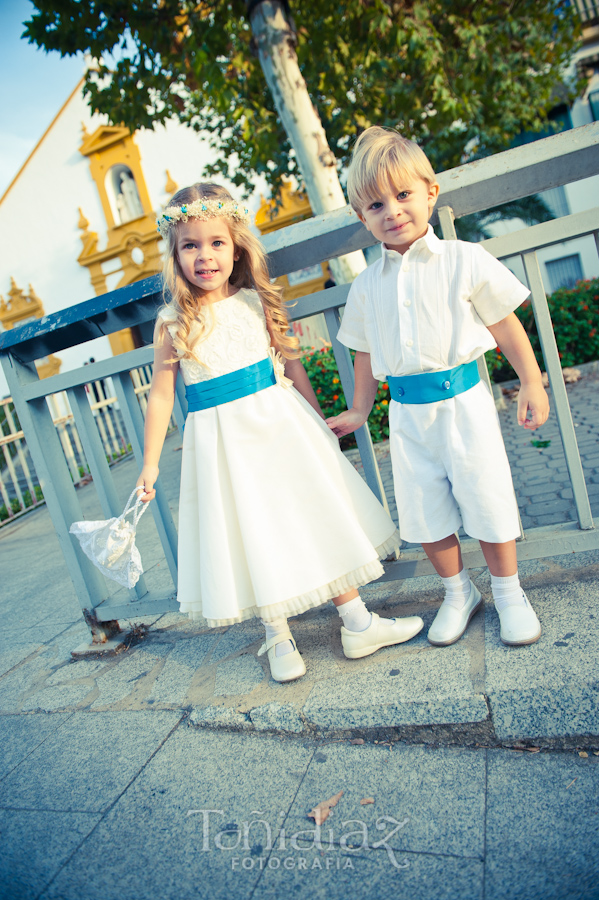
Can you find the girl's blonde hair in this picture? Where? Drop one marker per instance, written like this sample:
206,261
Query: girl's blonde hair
250,270
382,157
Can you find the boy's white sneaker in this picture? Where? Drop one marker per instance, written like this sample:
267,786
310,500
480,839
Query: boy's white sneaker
380,633
287,667
450,623
519,623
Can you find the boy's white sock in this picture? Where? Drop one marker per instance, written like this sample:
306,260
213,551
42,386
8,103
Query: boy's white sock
507,591
275,627
354,615
457,589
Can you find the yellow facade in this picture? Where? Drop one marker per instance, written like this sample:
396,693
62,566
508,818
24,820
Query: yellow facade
21,308
293,206
132,240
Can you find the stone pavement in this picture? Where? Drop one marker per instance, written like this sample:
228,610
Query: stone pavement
178,769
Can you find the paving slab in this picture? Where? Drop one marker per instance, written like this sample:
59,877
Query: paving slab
196,797
542,821
21,735
149,854
87,763
180,667
418,689
431,801
337,874
550,688
35,845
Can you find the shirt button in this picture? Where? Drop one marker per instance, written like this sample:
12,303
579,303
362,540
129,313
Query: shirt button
405,268
409,342
407,303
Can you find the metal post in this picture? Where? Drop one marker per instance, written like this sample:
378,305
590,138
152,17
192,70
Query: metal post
57,486
556,380
134,423
96,458
363,439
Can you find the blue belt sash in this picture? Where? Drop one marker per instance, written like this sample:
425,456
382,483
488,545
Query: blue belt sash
429,387
231,386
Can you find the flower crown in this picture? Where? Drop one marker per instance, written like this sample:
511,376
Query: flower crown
202,209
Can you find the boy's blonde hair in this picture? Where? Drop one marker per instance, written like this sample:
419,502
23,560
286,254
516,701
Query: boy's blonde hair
250,270
382,157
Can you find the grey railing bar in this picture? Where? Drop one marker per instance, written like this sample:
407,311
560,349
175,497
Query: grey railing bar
558,388
545,234
315,303
473,187
180,408
363,438
96,459
134,423
55,481
539,166
105,368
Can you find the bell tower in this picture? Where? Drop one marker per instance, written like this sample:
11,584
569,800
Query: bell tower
131,249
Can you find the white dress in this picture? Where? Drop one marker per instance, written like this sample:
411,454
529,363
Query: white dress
273,519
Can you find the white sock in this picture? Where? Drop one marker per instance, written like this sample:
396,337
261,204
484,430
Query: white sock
354,615
457,589
507,592
275,627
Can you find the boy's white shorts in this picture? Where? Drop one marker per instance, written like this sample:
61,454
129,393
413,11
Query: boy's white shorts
450,468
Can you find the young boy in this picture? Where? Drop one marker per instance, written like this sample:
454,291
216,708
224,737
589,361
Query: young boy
418,318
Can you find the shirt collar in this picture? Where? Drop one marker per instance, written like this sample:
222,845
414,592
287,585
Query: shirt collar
428,240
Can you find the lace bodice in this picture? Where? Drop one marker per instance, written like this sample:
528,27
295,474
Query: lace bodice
238,338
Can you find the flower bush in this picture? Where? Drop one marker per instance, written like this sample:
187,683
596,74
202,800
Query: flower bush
575,316
322,370
16,506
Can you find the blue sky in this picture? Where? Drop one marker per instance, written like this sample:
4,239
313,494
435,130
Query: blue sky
33,87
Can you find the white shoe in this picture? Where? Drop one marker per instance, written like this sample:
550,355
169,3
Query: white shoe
450,623
519,624
380,633
287,667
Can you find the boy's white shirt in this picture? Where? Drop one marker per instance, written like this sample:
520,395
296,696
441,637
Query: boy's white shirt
428,309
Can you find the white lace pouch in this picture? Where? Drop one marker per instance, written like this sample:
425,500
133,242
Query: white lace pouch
110,543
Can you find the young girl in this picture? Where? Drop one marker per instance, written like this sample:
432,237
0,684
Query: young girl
273,520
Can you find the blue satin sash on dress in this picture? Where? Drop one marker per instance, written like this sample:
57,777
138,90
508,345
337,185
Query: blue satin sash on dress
231,386
429,387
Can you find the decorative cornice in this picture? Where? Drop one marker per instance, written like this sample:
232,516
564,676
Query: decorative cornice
103,137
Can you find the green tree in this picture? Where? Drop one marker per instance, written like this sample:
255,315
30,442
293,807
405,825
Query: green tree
461,78
530,210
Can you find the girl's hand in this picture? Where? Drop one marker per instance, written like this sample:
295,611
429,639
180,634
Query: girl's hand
532,399
146,480
346,422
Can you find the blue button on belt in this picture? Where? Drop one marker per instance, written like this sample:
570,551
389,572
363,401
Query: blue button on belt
429,387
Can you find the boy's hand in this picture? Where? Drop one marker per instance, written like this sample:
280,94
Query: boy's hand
532,399
146,480
346,422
